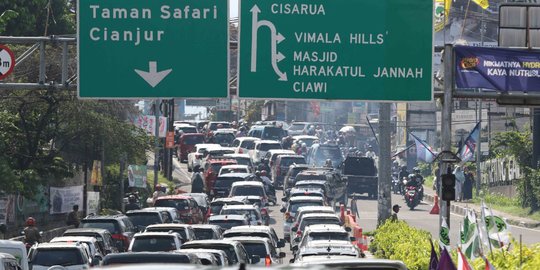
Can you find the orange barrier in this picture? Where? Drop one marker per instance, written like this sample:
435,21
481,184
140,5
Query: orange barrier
356,230
435,210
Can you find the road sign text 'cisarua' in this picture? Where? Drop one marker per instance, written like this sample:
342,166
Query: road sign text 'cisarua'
158,48
336,49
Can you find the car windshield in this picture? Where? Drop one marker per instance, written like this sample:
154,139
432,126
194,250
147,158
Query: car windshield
272,133
297,127
223,138
216,208
248,144
57,256
311,221
249,212
332,153
286,162
255,249
229,250
269,146
180,231
179,204
107,225
153,243
233,170
201,200
144,219
342,236
214,126
309,186
203,233
249,234
247,191
192,140
226,182
300,177
188,129
243,161
308,142
226,224
295,205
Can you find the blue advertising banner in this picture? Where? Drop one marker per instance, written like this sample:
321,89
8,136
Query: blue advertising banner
497,68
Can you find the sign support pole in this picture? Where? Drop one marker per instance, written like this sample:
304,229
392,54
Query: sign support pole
156,142
446,124
384,193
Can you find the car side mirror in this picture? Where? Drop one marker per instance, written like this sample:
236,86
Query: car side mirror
255,259
347,229
281,243
282,254
294,229
291,261
294,249
282,210
176,221
284,199
352,239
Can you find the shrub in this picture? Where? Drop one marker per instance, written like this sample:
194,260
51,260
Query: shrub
396,240
530,256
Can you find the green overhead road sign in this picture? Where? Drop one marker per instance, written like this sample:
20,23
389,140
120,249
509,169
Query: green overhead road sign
153,48
336,49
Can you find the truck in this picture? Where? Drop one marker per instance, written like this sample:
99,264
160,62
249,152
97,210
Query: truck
361,175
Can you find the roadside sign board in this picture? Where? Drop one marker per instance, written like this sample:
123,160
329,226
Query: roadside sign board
151,49
7,61
169,140
336,49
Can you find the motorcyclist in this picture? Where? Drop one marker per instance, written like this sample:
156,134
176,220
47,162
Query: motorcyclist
132,203
31,232
287,142
412,181
370,153
303,150
268,185
420,180
328,163
403,172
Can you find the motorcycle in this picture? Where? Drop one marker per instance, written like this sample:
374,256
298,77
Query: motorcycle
411,197
396,185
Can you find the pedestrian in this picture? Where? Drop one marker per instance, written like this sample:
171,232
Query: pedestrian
460,179
468,184
394,216
197,182
73,217
31,232
132,203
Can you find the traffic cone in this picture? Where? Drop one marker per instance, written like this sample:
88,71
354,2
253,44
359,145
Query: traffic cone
365,244
435,209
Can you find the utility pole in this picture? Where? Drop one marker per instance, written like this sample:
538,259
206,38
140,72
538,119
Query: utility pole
446,126
479,151
170,128
156,142
384,194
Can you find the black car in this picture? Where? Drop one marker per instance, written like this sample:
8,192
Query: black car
150,257
120,227
224,182
144,217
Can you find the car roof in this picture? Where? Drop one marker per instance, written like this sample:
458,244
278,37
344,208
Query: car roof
58,245
304,190
235,166
237,155
253,228
73,239
230,199
315,208
144,210
252,239
314,181
222,161
248,139
268,142
247,183
155,234
227,217
240,206
305,198
319,215
206,145
169,225
356,263
279,151
235,175
160,208
290,156
212,241
302,137
178,197
325,228
205,226
96,230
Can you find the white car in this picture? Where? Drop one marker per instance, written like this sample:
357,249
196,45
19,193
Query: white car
96,255
234,169
251,211
291,207
328,232
297,232
261,147
271,155
155,241
72,256
242,159
249,188
327,248
243,145
262,247
194,158
307,139
256,231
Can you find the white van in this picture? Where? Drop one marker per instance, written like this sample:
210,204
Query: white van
17,249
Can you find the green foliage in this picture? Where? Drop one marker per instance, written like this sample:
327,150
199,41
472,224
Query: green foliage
425,168
5,17
34,16
396,240
254,111
513,143
502,259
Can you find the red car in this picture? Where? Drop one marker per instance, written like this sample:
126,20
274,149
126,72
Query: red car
190,212
186,144
211,170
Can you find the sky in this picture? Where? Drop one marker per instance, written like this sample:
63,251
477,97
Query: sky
233,8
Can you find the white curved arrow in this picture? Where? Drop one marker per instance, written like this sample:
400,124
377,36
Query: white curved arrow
152,76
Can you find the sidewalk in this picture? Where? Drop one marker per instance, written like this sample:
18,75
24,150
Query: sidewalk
180,177
460,209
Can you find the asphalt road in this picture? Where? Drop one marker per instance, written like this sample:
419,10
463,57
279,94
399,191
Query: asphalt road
419,217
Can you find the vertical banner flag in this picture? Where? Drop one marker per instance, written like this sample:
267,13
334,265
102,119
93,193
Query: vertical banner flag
148,123
497,229
137,176
92,202
467,150
442,12
482,3
424,152
444,236
95,178
463,264
470,240
446,263
433,260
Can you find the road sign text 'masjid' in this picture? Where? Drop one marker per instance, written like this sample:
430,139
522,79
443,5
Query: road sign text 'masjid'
336,49
158,48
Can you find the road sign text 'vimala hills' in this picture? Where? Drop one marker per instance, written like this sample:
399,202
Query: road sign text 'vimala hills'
153,48
336,49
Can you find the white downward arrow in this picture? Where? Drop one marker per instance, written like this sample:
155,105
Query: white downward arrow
153,77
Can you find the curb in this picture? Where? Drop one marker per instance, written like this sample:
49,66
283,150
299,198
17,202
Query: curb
460,210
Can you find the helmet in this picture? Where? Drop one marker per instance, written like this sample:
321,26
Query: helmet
30,221
304,145
258,173
411,176
416,170
131,198
263,172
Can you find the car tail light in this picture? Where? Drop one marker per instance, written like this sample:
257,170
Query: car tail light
298,233
122,238
267,261
264,211
287,215
259,223
240,151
